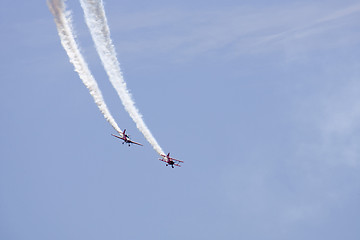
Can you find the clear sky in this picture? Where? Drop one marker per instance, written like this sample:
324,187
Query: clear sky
261,100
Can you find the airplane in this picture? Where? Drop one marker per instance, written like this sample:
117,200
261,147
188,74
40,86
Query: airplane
126,138
170,161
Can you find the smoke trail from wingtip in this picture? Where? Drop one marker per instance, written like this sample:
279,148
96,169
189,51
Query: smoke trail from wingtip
67,37
97,23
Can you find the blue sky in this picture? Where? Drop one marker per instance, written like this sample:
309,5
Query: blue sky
261,101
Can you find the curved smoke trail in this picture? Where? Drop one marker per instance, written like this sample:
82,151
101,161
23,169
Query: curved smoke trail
97,23
67,37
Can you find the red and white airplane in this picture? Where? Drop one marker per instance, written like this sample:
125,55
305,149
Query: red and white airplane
170,161
126,138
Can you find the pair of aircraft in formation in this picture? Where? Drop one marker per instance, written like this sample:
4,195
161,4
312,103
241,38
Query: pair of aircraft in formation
165,158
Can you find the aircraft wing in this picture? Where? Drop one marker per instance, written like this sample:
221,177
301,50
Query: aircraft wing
170,158
176,160
175,164
135,143
118,137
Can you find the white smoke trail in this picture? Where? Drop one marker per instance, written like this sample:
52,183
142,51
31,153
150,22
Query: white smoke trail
67,37
97,23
